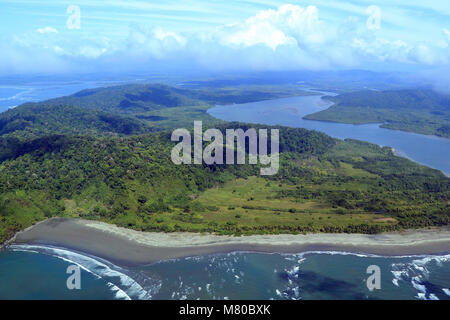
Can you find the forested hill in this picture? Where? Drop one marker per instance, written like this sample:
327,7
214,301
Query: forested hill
421,111
39,119
139,98
126,109
90,156
399,99
127,99
112,110
324,185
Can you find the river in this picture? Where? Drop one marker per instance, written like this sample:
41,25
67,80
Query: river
429,150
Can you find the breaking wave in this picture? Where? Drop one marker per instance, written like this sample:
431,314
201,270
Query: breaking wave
125,284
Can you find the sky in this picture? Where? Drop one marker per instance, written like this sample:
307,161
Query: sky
75,36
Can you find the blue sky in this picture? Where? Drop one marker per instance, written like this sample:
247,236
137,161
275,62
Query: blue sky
223,35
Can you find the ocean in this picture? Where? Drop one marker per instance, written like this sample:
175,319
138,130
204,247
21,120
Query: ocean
12,95
40,272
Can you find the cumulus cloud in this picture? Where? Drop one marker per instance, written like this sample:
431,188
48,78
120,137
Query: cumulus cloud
162,35
288,25
289,37
300,39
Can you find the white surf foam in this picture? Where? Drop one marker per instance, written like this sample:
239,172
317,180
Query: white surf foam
417,272
122,284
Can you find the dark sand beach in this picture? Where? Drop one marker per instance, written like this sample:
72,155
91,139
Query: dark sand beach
129,247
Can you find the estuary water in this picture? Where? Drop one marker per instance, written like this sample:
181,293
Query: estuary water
425,149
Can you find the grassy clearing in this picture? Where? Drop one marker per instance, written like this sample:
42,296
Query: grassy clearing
251,202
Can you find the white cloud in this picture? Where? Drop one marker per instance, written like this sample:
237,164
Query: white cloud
289,24
91,52
261,33
289,37
162,35
47,30
446,33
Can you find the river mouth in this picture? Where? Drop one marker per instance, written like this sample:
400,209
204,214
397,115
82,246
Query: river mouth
428,150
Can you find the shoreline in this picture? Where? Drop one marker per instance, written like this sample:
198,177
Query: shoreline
133,248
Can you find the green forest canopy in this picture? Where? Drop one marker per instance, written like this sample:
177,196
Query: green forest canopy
414,110
58,159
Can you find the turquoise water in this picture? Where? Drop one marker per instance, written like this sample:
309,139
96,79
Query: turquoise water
429,150
39,272
28,275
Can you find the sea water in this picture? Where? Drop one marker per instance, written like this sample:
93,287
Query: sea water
13,95
40,272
